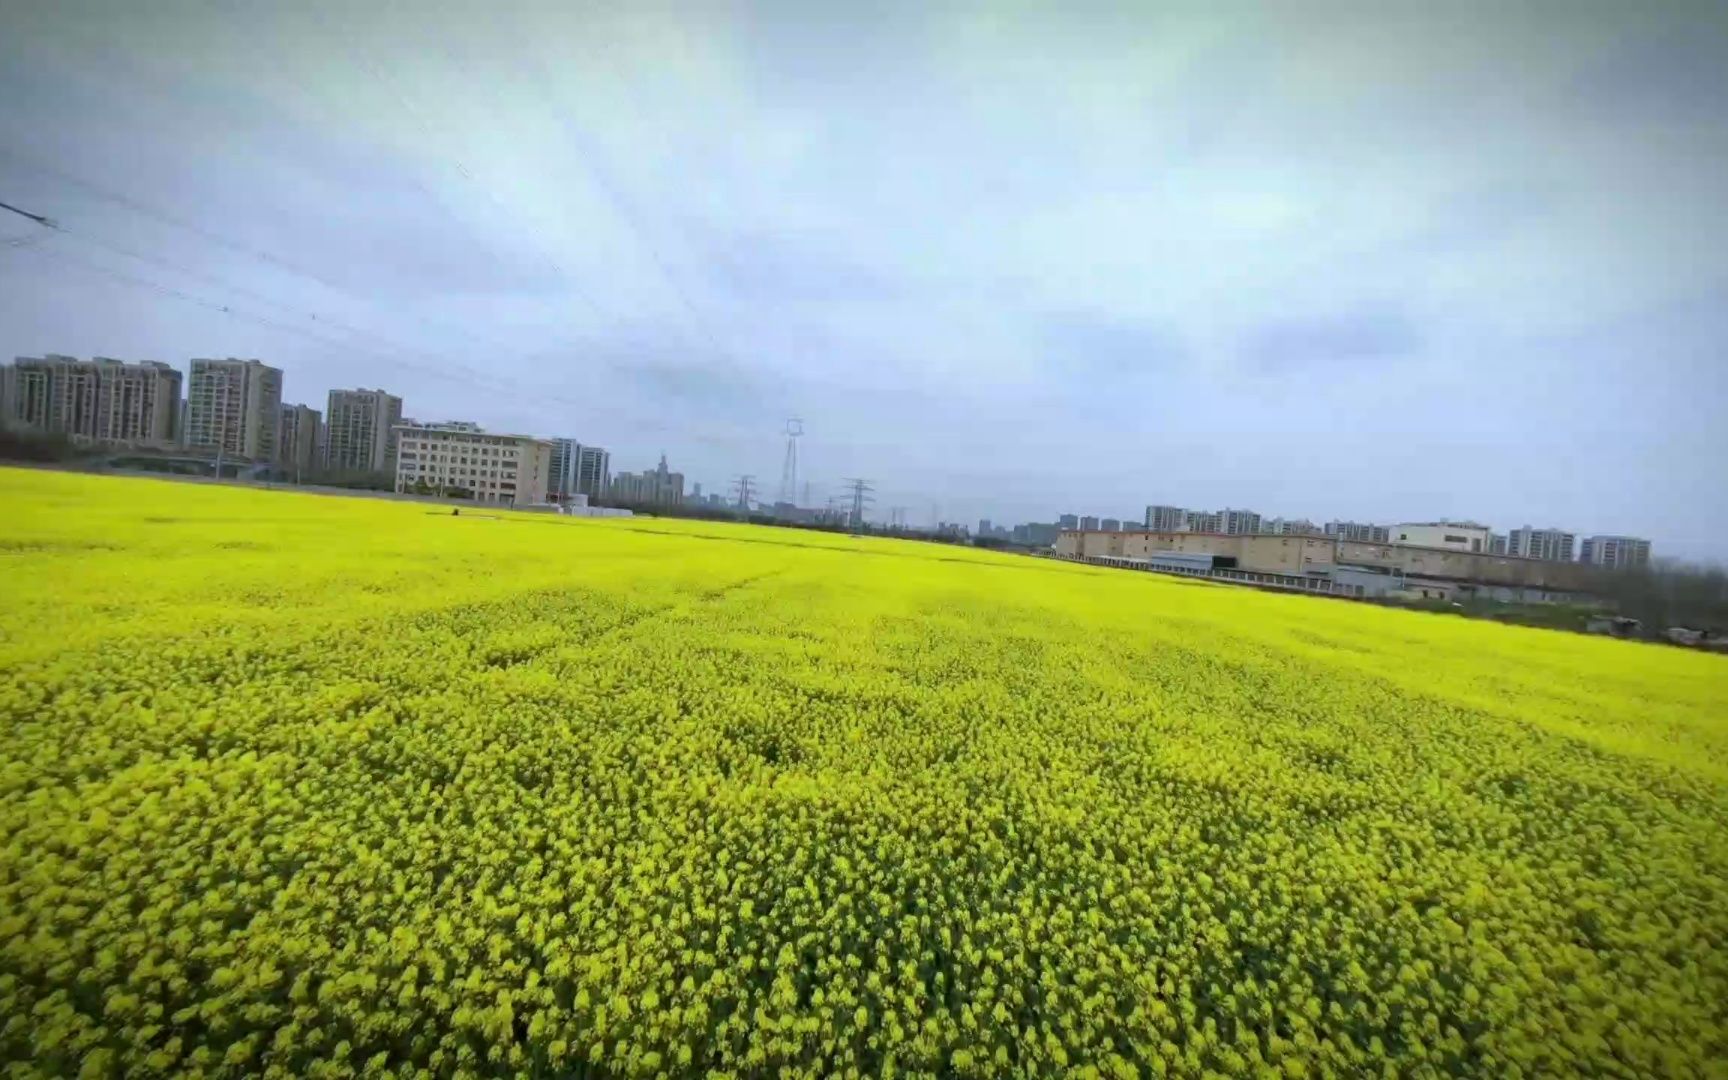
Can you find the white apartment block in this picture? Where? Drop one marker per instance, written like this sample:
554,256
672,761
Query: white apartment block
508,470
101,400
360,430
1449,535
234,406
1553,545
1618,552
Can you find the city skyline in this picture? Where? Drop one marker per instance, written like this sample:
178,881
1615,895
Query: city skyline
571,459
996,262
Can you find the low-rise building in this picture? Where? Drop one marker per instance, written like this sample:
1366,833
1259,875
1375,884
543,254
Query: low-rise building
1618,552
490,468
1449,535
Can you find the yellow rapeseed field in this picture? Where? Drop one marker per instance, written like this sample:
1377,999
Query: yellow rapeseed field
317,786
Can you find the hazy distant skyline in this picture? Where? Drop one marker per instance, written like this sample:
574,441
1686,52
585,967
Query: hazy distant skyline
1375,262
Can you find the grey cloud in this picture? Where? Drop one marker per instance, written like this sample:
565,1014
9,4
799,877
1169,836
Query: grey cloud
1306,342
1095,343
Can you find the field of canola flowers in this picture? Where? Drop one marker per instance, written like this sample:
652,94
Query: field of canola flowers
313,786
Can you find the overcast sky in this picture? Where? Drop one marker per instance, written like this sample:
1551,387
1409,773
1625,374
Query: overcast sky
1375,261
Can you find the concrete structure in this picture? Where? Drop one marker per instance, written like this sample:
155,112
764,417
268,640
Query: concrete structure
1450,535
101,400
489,468
1087,521
1498,544
1068,521
234,407
1239,522
299,439
1618,552
1555,545
361,429
1164,518
1359,531
1293,527
658,486
1110,525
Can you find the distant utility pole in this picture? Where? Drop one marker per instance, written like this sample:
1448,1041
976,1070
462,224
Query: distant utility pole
789,471
861,496
741,485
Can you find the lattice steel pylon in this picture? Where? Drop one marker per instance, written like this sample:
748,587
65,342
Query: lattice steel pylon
789,471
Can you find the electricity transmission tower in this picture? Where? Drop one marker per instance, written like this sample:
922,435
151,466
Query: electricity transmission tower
861,497
789,471
742,485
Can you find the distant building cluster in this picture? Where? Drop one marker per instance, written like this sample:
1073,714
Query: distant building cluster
233,412
1527,542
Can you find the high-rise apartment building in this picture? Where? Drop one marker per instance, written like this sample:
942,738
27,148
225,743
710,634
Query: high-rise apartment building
1202,521
360,430
658,486
593,472
1498,544
580,470
1359,532
499,469
299,439
1239,522
1164,518
101,400
234,406
1618,552
1554,545
1088,522
1068,521
1110,525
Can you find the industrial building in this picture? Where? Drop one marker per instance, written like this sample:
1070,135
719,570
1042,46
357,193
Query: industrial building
489,468
234,407
1616,552
1450,535
1356,568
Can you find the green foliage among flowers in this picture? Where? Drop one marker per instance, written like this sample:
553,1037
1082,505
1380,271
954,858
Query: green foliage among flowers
307,786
